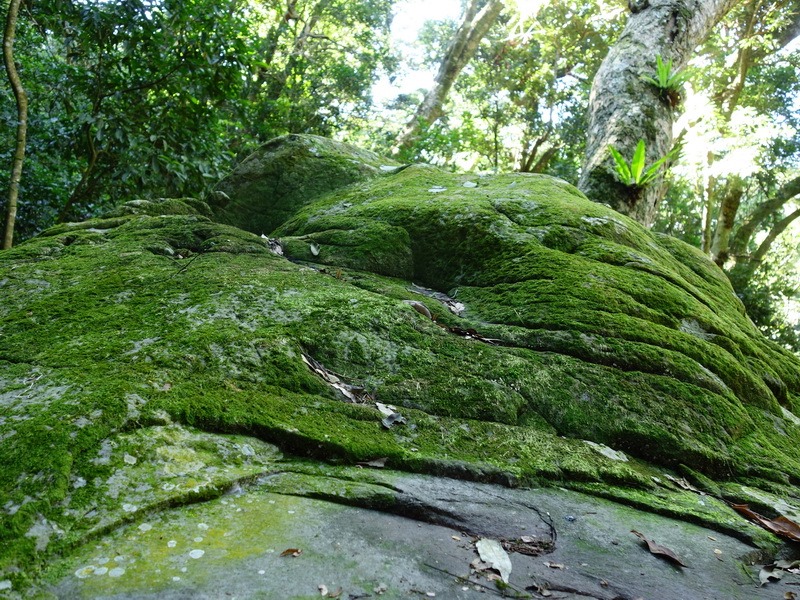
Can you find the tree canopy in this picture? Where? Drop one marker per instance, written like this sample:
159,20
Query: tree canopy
156,98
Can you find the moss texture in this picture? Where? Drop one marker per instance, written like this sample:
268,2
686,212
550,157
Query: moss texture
117,334
282,175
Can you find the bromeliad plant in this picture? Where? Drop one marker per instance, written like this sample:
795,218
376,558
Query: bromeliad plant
634,173
667,81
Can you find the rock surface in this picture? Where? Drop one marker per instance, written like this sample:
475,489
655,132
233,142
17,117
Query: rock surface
161,369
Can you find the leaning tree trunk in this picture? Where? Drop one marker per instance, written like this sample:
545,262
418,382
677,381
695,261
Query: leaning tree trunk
729,206
22,121
624,109
472,30
765,210
745,267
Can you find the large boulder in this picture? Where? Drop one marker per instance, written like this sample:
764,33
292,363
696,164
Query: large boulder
272,183
498,329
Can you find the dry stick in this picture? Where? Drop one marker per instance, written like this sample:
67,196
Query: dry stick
500,593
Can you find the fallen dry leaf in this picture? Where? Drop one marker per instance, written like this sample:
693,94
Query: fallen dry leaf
780,526
776,570
323,590
553,565
292,552
768,573
659,550
789,596
527,539
456,538
478,565
712,538
335,594
492,552
787,565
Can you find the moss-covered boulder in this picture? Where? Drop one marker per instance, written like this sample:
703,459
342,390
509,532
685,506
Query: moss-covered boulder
606,331
286,173
500,329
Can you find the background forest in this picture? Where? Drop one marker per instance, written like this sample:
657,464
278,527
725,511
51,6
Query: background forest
138,98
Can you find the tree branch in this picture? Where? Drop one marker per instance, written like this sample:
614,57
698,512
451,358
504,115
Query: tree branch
786,192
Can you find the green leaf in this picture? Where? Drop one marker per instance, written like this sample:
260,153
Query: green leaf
623,170
652,171
637,162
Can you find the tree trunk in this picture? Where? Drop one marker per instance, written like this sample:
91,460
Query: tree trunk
745,268
22,121
273,38
277,84
745,232
719,250
624,109
473,29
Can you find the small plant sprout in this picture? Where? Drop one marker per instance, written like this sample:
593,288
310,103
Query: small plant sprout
667,81
634,173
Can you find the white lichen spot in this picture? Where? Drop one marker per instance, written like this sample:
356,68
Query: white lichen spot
198,539
129,507
291,512
129,460
172,544
247,450
168,487
85,572
102,560
595,221
184,569
176,578
41,531
135,402
693,327
79,483
144,527
104,455
116,572
119,558
608,452
470,184
196,553
261,571
437,189
202,526
5,584
101,570
790,417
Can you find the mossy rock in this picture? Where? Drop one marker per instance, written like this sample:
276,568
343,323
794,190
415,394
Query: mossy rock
157,358
284,174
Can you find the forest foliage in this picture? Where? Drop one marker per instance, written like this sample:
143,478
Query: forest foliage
139,98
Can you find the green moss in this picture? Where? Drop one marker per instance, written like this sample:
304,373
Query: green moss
270,185
577,324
